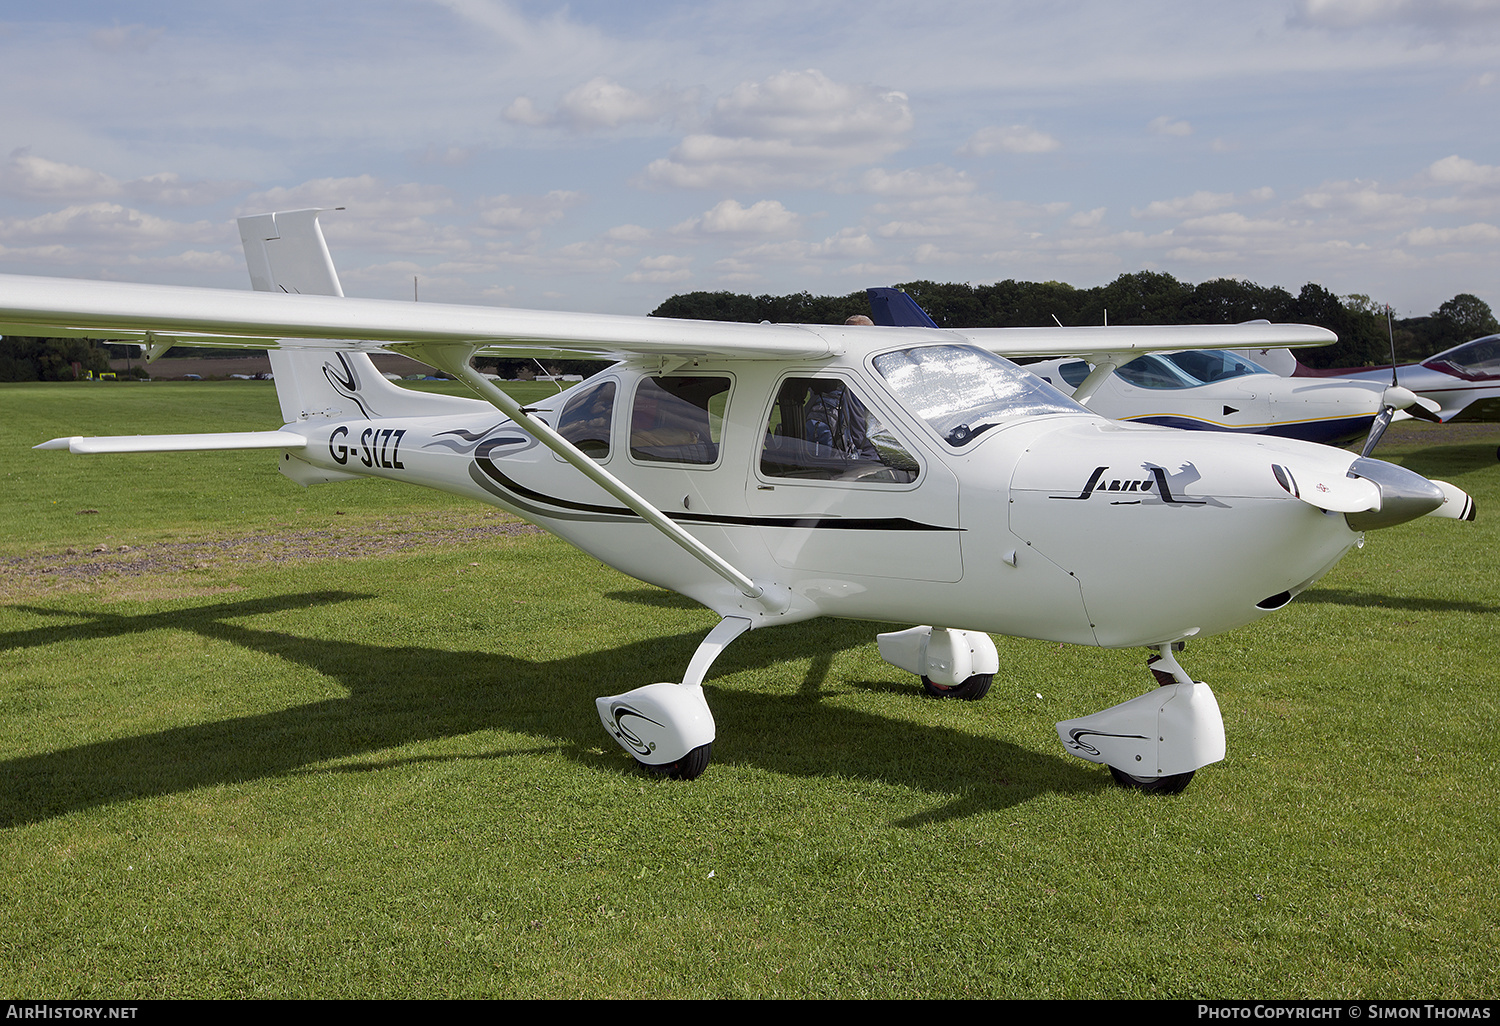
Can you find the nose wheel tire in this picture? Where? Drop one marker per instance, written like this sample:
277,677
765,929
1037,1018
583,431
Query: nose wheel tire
1171,784
689,767
971,690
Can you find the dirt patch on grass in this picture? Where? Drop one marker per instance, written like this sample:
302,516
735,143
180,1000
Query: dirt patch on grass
22,575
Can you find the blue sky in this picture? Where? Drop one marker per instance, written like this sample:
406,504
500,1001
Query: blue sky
602,156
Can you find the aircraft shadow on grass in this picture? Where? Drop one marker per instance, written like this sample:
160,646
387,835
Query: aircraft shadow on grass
398,695
1378,600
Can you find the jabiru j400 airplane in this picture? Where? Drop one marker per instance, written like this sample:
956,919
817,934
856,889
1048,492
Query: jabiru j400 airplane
777,472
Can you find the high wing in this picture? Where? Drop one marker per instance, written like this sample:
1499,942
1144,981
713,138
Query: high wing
163,315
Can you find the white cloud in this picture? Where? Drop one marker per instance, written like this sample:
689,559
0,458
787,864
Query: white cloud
935,180
846,244
366,196
28,176
524,112
523,213
168,189
557,34
1231,223
766,217
93,231
795,127
1349,14
1361,200
661,270
1166,126
807,107
1469,234
33,177
1087,218
1014,139
1201,202
1458,170
598,104
628,233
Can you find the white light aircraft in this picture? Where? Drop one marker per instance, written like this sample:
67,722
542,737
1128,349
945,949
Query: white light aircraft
1214,389
777,472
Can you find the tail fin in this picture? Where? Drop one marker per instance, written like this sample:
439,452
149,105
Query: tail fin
895,308
286,252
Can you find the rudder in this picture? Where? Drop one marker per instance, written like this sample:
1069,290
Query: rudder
285,252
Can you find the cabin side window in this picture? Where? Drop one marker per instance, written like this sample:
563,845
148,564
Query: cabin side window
586,420
678,419
819,430
1153,372
1073,373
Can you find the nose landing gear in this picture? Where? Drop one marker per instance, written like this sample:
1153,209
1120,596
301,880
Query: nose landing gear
1156,741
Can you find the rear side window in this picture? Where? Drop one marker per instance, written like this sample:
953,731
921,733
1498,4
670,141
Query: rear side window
678,419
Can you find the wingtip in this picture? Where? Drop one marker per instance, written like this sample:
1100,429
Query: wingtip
58,443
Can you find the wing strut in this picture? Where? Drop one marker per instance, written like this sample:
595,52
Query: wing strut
1104,366
454,359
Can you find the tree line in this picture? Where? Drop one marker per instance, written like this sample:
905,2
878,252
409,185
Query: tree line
1145,297
50,359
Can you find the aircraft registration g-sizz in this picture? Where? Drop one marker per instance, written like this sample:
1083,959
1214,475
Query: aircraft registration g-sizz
777,472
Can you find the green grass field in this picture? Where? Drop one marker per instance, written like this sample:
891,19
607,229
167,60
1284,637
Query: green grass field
305,761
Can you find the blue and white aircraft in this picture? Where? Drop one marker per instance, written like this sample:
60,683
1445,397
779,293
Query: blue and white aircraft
1208,390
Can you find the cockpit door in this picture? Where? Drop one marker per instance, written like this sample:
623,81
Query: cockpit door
835,489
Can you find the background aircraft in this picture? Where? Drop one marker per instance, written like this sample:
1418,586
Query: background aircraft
1462,382
775,473
1213,390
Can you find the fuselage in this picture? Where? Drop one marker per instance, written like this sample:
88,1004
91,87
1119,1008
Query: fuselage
1213,390
925,485
1464,381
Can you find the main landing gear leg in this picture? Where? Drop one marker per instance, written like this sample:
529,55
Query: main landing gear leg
1157,741
668,727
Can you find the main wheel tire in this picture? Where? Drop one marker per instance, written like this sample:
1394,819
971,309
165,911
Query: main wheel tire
689,767
971,690
1173,783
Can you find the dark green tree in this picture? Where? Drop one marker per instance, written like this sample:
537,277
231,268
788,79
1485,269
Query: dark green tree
25,358
1467,317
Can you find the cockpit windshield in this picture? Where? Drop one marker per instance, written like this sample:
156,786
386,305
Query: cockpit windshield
1187,369
1477,360
962,391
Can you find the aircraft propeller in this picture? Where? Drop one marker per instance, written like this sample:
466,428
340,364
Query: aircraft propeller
1397,398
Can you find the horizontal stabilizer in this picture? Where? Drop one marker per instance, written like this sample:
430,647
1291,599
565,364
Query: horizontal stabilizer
207,442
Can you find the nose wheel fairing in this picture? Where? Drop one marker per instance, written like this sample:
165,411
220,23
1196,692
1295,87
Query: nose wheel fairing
1162,736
